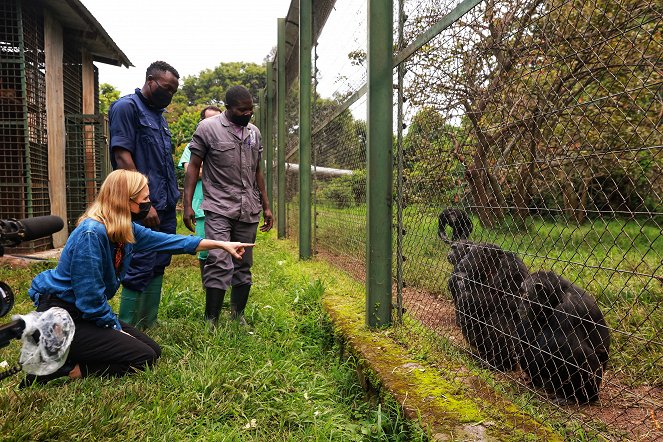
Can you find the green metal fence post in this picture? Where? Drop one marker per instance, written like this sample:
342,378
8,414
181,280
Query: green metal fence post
260,119
268,136
305,37
280,217
380,140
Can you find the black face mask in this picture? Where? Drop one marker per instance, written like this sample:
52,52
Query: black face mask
160,97
143,210
240,120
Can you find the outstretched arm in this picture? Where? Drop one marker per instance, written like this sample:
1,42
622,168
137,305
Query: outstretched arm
236,249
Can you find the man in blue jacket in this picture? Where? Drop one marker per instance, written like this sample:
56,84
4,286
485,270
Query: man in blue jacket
140,140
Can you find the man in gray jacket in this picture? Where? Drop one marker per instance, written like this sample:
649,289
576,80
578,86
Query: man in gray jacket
230,149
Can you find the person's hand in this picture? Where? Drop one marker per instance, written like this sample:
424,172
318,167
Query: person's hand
189,218
269,221
236,249
152,218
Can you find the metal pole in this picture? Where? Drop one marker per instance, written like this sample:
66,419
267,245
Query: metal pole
268,136
260,118
380,129
305,37
280,217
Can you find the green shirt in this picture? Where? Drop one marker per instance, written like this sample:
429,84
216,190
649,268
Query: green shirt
198,193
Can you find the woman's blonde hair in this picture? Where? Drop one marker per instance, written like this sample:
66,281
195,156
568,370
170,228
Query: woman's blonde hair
111,207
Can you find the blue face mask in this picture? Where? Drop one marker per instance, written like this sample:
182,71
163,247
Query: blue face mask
143,210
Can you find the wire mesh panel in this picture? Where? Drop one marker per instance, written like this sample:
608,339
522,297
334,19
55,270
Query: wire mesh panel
38,199
12,115
292,160
339,138
24,170
532,201
72,76
80,142
85,162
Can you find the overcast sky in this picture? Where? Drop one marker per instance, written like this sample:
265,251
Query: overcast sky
190,35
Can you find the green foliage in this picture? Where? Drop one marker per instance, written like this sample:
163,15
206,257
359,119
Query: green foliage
183,128
433,166
107,95
338,192
358,185
210,85
343,139
545,125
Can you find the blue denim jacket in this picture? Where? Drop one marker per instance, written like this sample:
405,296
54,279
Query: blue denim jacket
85,275
144,132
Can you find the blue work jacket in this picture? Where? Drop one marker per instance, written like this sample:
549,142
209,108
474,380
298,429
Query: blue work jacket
144,132
86,276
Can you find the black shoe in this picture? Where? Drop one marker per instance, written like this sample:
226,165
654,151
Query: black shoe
31,379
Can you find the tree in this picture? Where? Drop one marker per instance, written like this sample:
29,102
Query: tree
558,96
107,95
210,85
433,168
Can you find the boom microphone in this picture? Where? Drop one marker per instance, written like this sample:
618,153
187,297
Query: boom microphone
13,231
41,226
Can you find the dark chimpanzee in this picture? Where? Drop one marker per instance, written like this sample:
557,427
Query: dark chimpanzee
459,221
563,336
484,286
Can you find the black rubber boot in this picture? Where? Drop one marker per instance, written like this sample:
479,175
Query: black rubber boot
213,303
238,299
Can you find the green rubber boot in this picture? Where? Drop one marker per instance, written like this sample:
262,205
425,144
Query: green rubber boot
148,308
129,303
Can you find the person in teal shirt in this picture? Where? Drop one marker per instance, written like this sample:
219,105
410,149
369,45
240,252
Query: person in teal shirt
209,111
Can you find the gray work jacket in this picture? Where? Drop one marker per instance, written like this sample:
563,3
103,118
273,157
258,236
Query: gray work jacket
230,162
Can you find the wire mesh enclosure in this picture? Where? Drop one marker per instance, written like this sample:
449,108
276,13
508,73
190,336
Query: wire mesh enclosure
24,173
528,195
24,169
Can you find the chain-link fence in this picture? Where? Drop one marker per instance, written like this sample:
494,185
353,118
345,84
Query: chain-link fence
528,195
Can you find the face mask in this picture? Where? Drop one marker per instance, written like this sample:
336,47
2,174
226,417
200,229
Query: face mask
160,97
240,120
143,210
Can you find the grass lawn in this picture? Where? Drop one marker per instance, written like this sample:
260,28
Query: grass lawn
279,380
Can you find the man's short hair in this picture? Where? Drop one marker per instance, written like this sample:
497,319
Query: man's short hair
212,108
236,94
160,66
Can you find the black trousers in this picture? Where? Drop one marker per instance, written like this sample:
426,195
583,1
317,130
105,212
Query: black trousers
105,351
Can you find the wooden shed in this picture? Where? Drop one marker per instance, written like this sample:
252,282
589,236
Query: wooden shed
52,139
